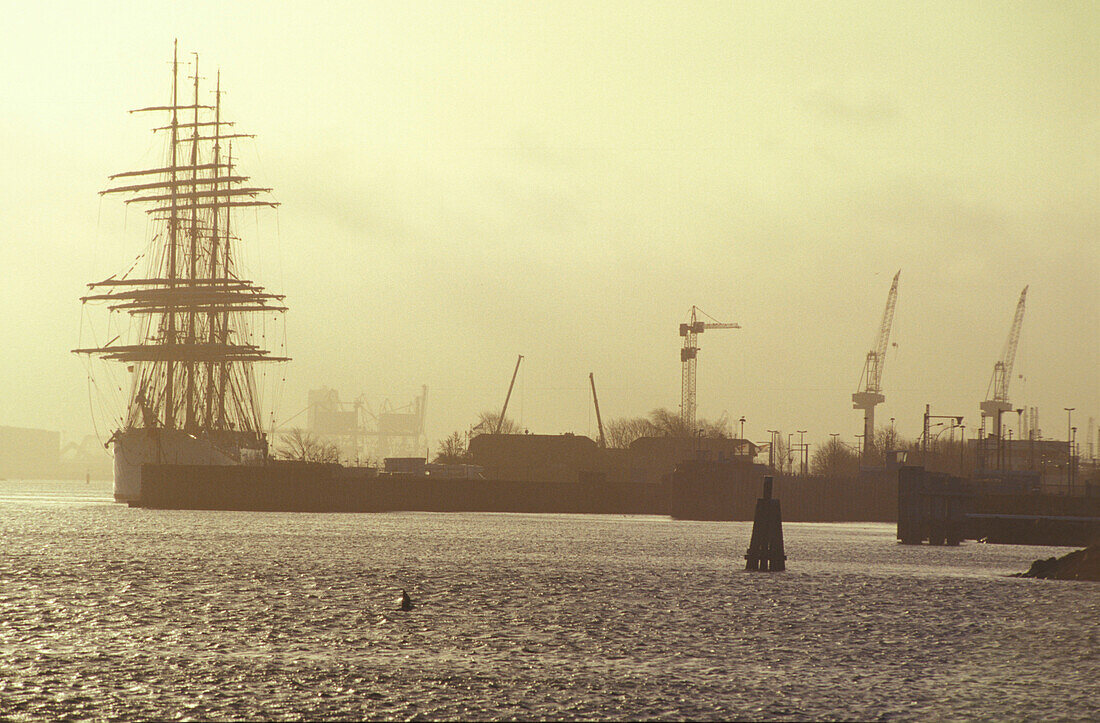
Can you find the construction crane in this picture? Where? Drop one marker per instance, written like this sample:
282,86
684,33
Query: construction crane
996,396
595,401
690,331
508,396
870,381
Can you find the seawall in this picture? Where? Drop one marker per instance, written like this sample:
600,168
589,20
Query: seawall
697,491
330,488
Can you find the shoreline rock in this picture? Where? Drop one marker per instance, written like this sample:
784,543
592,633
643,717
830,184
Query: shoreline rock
1080,565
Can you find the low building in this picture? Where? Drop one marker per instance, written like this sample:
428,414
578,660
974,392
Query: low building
577,458
540,457
651,458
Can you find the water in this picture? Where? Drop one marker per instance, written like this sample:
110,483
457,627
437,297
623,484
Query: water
108,613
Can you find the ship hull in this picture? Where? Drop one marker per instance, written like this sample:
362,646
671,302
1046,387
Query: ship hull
134,448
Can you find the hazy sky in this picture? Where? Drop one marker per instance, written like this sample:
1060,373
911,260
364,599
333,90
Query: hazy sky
464,182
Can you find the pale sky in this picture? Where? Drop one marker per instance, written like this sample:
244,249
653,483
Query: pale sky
463,182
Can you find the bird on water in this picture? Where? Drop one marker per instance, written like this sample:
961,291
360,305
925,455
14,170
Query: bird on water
406,602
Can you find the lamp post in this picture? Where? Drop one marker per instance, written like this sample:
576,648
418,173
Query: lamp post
859,445
1072,458
742,420
957,420
771,449
1069,447
790,461
802,449
962,446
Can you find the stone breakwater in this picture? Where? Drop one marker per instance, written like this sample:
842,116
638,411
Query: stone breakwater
1079,565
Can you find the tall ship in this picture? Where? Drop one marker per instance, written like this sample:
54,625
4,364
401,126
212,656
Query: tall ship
186,316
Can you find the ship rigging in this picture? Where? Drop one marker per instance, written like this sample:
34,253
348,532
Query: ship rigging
192,349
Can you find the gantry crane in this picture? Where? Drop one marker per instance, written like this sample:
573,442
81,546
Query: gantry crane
996,401
690,331
870,381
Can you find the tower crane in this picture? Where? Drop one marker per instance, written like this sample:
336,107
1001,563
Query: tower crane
996,401
690,331
870,381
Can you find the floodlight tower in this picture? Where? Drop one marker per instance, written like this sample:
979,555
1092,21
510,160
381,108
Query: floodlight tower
996,396
870,381
690,331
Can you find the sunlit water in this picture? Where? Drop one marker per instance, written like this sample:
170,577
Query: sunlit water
109,612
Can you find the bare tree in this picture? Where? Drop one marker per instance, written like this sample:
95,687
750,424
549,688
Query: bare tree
944,455
661,422
781,454
622,431
452,450
667,423
886,440
835,459
301,446
487,424
717,428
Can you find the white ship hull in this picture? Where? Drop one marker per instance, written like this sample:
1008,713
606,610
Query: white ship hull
135,447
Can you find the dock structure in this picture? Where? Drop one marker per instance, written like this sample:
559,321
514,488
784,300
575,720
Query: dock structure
765,553
945,510
932,507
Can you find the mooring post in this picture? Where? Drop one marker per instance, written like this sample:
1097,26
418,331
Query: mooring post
765,553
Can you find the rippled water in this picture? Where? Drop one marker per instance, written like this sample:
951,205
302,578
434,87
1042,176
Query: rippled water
108,612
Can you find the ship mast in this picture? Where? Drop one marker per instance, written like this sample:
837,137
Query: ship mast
189,408
173,225
213,317
193,355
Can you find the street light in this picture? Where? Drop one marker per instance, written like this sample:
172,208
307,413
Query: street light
1069,447
962,446
790,462
1072,458
802,449
742,420
956,421
771,448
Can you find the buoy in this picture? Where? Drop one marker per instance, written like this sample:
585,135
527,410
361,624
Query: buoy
765,553
406,602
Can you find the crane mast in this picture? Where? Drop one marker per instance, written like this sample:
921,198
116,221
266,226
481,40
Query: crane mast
870,382
996,402
596,401
504,409
690,332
